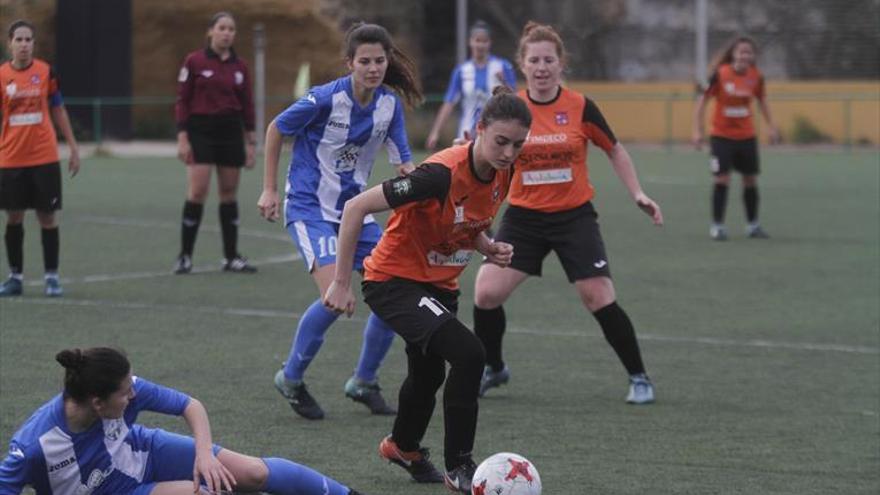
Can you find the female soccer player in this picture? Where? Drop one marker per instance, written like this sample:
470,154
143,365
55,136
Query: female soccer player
471,84
339,128
735,80
215,128
86,441
30,175
441,211
551,210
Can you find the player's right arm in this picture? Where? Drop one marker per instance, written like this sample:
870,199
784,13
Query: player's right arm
15,472
290,122
699,134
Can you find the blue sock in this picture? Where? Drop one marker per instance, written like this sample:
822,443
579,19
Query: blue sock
378,337
289,478
309,337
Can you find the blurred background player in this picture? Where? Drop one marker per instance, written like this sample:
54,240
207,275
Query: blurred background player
30,173
85,440
338,129
215,129
734,81
441,212
471,85
551,210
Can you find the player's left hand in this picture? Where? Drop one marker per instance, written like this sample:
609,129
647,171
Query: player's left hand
250,155
73,163
651,208
405,168
215,474
499,253
339,299
774,135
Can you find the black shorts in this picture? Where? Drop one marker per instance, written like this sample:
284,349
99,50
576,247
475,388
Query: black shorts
217,139
414,310
737,154
31,188
572,234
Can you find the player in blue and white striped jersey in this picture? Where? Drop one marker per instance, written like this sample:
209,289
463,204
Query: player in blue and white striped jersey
85,442
339,128
471,84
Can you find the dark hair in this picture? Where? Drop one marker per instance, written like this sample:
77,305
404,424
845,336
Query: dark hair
220,15
401,74
94,372
533,33
21,23
505,105
479,25
725,55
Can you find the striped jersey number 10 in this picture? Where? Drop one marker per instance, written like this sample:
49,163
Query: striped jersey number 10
327,245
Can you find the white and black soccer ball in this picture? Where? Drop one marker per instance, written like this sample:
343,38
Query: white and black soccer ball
506,474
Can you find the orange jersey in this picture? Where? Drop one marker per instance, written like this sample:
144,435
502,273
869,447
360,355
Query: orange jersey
551,172
439,209
28,137
733,94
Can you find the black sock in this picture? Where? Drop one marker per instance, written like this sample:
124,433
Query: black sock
15,247
489,325
719,202
192,218
229,228
750,198
50,249
619,332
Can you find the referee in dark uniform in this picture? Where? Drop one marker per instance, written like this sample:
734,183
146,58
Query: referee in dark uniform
215,128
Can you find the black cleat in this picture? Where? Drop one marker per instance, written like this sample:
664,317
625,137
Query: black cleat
300,400
368,394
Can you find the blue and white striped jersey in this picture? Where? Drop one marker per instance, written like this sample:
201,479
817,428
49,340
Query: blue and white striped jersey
108,459
473,85
336,144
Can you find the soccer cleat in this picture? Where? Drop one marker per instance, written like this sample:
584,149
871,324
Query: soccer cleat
718,232
368,394
416,463
493,379
53,287
183,265
755,231
459,479
238,264
641,390
11,287
299,398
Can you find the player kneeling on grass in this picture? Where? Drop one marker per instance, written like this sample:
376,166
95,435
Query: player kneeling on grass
441,212
85,440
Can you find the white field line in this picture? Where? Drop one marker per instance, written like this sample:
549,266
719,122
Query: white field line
287,315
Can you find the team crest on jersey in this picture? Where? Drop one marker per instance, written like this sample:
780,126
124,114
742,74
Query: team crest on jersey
207,73
11,88
561,118
35,79
346,158
239,78
730,87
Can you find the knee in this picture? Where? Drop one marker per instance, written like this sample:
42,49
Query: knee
471,358
47,220
254,474
489,295
197,195
750,181
597,293
722,179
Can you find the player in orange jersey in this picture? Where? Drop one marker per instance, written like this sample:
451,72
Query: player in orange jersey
441,212
30,173
551,210
734,82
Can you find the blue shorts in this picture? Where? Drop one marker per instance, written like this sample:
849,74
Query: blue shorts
172,457
316,241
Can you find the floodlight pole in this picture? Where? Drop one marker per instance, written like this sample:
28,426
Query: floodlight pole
460,31
701,28
260,83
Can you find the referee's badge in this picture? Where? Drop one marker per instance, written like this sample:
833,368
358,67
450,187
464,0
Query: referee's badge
183,75
239,77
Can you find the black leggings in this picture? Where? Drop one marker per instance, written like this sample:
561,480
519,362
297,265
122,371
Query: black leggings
452,342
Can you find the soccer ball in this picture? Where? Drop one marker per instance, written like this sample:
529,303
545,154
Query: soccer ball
506,474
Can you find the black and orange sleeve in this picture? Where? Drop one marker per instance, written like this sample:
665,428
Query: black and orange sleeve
428,181
595,126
